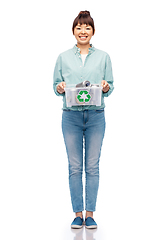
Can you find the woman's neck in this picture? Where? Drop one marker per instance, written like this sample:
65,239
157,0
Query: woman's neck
84,49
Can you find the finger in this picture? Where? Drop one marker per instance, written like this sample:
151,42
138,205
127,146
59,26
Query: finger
102,83
61,85
105,83
64,84
60,88
106,89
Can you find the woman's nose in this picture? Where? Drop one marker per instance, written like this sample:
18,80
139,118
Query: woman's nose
83,30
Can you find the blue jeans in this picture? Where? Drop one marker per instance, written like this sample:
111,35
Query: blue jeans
83,130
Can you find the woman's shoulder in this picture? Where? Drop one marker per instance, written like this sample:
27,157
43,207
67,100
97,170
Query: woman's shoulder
101,52
66,52
64,56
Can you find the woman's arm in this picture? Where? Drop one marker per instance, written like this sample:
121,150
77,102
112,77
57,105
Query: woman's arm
108,78
58,82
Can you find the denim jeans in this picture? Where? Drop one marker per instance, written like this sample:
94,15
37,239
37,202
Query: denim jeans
83,132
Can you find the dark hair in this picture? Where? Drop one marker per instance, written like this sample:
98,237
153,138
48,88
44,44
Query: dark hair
83,17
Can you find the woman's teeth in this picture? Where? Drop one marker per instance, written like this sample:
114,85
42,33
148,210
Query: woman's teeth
83,37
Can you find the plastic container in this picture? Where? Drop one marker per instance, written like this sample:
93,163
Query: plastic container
79,96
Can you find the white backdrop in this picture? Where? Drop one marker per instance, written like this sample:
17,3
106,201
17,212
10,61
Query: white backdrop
35,199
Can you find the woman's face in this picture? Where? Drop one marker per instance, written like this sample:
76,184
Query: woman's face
83,33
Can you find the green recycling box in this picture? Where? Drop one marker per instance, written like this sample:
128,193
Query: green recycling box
76,96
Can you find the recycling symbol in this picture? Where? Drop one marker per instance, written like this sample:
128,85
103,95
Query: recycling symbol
83,96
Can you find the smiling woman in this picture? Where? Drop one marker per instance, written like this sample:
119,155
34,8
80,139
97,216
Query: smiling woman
83,123
83,30
84,18
83,33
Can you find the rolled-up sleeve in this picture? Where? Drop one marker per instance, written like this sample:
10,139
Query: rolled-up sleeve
108,76
57,76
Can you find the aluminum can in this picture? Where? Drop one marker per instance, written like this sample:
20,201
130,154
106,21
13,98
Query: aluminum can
84,84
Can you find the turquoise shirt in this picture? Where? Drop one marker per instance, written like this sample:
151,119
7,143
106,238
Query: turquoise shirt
70,69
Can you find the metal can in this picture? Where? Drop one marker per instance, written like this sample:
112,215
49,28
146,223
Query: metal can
84,84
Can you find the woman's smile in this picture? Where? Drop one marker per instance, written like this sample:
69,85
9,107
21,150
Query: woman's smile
83,33
83,37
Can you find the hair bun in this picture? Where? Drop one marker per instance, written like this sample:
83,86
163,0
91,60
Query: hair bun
84,13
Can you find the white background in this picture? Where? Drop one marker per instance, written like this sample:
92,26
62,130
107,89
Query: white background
34,193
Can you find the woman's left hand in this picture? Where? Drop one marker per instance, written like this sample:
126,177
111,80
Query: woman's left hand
105,86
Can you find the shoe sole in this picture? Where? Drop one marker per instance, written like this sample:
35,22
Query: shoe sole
91,227
76,226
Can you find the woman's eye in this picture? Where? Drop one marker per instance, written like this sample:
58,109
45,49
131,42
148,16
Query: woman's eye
78,28
87,28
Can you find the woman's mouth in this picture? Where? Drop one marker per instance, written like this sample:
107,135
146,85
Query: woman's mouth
83,37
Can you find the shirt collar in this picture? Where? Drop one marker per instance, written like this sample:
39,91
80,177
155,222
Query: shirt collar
77,50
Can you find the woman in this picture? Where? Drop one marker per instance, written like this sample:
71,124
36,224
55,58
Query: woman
83,126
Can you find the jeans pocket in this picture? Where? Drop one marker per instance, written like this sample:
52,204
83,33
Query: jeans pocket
99,110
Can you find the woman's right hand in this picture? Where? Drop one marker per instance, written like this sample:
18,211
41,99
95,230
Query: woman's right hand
60,87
